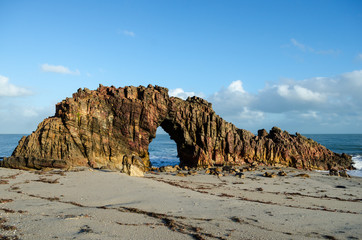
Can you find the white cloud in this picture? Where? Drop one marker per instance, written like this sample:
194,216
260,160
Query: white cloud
9,90
353,78
30,112
309,49
309,114
298,44
297,92
236,86
179,92
340,93
129,33
359,56
27,116
247,114
58,69
309,105
328,52
234,103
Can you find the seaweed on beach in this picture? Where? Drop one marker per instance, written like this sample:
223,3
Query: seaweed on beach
225,195
139,224
45,180
11,176
7,227
2,200
61,173
7,210
74,203
2,237
4,181
171,224
52,199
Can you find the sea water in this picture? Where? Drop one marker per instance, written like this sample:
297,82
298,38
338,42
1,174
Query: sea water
343,143
163,150
8,143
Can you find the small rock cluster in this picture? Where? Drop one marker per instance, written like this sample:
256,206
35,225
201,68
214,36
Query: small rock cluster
269,175
216,171
339,173
180,172
231,170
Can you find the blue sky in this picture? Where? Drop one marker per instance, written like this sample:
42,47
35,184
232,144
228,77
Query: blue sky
293,64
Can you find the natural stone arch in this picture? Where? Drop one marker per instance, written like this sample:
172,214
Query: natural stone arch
112,128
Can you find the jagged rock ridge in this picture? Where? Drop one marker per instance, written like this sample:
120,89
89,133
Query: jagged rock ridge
113,127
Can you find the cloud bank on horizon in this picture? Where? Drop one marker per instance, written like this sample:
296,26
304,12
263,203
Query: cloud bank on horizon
332,102
328,102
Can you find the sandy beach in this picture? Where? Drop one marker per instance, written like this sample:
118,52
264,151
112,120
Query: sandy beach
96,204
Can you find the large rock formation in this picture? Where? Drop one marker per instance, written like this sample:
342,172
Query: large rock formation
113,127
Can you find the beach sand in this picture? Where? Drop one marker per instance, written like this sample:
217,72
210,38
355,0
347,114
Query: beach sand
96,204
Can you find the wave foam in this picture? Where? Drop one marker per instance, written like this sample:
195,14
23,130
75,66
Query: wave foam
357,162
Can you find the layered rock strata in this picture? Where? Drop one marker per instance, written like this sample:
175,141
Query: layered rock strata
113,127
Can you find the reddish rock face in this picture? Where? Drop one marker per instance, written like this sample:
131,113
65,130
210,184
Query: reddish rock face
113,127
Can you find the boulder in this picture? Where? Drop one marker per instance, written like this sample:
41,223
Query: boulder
133,166
269,175
181,174
282,173
333,172
240,175
343,173
168,169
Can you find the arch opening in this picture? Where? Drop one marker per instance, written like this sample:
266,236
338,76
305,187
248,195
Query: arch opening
163,150
185,145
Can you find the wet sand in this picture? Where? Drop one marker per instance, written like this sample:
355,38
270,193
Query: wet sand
95,204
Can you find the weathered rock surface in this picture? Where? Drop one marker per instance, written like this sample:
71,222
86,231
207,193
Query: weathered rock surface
113,127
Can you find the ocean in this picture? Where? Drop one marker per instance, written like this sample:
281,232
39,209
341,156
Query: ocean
163,150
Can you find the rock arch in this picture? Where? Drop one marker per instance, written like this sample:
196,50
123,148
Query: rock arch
112,128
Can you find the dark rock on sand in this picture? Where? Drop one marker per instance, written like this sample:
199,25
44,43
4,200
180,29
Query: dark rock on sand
181,174
333,172
336,172
269,175
112,128
304,175
343,173
282,173
240,175
168,169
